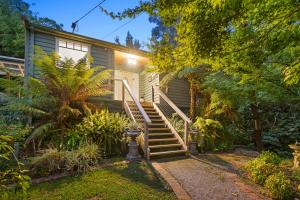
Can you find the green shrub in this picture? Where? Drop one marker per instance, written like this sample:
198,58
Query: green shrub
279,186
106,130
263,166
12,171
53,161
209,132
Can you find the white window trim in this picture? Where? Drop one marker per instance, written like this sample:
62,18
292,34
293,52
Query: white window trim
75,41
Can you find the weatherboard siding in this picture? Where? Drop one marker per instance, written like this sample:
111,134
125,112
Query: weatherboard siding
178,92
102,56
150,79
46,42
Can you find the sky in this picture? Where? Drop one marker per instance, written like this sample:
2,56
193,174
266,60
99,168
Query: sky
96,24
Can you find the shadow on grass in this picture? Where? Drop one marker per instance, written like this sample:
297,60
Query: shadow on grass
216,160
139,172
135,180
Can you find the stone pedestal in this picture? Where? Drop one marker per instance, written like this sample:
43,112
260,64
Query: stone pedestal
193,148
296,154
193,144
133,153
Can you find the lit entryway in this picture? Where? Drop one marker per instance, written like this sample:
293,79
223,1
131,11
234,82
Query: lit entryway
133,81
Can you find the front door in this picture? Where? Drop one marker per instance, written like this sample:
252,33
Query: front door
133,82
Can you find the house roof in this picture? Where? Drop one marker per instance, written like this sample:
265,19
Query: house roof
82,38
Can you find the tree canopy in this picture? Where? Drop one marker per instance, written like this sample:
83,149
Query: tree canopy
250,49
11,27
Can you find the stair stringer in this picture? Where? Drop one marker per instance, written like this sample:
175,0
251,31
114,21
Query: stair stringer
170,126
131,115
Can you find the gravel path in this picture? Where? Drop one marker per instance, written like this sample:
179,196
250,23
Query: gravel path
205,182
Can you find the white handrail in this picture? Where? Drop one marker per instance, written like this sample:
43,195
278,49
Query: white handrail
137,103
170,102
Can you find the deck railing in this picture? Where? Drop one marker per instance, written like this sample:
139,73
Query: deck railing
172,107
147,121
12,65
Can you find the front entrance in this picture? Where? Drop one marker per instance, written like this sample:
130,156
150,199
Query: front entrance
133,81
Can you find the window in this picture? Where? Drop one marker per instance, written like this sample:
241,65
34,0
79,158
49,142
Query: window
70,49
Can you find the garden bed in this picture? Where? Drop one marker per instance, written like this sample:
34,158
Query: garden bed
236,162
134,180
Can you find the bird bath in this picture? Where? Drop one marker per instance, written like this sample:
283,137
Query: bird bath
296,148
133,153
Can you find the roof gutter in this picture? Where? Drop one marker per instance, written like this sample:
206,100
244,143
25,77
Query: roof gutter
81,38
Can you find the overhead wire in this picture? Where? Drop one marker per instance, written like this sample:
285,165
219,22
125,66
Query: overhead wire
75,24
118,28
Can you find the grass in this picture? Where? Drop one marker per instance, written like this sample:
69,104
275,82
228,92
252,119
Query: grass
124,181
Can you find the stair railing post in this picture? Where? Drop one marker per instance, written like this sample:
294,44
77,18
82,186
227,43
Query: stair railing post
123,96
186,132
152,93
146,131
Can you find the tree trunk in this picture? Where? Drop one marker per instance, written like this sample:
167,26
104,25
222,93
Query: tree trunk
257,133
193,91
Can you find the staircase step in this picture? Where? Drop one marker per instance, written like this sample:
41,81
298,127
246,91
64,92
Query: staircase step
167,152
158,129
154,116
157,124
160,134
148,113
164,146
162,140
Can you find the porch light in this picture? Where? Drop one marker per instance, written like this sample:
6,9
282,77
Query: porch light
132,59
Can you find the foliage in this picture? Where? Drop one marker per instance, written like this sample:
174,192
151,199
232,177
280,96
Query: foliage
53,161
62,92
263,166
11,28
253,46
17,131
209,132
133,126
177,123
279,186
11,170
106,130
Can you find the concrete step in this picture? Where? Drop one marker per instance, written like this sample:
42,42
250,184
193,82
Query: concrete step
167,152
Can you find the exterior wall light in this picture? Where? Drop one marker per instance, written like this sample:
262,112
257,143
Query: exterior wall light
132,59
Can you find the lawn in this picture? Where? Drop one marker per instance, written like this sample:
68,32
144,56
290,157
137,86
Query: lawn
122,181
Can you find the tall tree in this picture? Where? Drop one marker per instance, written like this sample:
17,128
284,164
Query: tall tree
11,27
255,43
129,40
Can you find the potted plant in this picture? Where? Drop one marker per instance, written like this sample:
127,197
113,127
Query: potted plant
133,130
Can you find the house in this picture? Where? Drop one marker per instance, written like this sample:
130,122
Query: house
133,90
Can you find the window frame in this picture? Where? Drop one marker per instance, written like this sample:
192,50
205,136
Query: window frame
57,45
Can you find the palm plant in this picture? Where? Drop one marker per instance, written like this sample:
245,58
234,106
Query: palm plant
61,88
57,96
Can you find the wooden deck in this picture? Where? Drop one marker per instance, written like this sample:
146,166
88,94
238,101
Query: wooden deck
13,66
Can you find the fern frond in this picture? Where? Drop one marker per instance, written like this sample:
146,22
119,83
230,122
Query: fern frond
41,131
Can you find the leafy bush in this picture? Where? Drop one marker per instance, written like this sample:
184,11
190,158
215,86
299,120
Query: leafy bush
11,170
263,166
279,186
104,129
177,123
57,98
53,161
209,131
